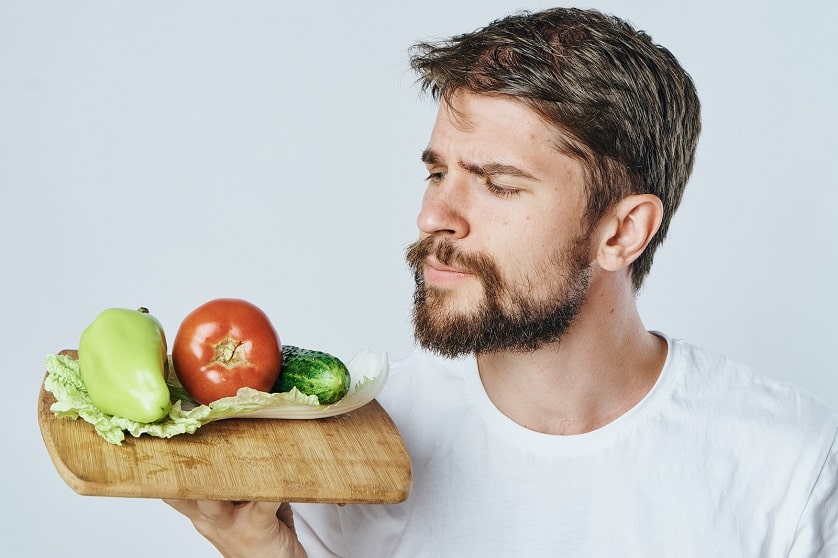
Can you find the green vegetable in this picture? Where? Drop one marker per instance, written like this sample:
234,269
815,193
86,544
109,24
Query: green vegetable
123,361
312,373
73,401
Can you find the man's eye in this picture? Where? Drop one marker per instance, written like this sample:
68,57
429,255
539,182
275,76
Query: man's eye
500,191
435,177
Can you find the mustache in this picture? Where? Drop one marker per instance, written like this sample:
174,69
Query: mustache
447,252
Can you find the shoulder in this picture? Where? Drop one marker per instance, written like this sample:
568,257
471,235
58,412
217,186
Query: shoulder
743,400
423,380
711,374
423,374
424,392
753,431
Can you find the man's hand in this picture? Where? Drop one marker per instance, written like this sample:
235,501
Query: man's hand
244,529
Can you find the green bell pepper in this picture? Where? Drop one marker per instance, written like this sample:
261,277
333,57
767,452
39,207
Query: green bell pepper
123,362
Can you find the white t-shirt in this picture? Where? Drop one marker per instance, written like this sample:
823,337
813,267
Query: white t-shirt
716,461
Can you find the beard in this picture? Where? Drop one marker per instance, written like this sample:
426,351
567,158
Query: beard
508,317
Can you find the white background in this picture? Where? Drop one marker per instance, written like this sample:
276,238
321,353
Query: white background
165,153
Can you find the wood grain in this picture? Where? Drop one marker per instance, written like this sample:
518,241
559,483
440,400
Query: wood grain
357,457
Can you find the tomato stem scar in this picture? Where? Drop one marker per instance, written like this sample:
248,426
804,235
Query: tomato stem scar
229,352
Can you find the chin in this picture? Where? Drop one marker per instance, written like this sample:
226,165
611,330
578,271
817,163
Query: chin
456,303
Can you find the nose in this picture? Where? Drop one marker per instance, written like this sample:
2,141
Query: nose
444,209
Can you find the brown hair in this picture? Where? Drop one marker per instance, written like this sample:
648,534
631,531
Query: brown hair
624,105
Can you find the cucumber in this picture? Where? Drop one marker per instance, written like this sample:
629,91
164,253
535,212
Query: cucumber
312,373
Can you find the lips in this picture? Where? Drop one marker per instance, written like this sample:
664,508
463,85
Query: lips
438,262
437,273
433,263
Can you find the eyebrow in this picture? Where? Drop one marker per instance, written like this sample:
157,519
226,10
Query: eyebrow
431,157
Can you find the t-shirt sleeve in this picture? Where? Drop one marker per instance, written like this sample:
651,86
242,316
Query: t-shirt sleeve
318,528
817,531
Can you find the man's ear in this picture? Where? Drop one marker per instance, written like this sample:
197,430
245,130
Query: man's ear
627,229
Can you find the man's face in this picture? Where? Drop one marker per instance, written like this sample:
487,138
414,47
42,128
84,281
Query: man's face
503,258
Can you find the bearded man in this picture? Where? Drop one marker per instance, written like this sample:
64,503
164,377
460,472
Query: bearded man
541,417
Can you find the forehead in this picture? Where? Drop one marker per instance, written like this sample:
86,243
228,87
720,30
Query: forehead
497,128
480,113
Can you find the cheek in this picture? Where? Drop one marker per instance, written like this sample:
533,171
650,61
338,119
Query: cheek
533,232
531,253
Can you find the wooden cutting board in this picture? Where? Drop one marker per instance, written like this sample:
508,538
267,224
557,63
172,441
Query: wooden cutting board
357,457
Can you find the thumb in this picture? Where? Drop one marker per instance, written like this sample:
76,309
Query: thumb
286,516
260,513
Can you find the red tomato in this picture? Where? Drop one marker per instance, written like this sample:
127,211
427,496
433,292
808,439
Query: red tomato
224,345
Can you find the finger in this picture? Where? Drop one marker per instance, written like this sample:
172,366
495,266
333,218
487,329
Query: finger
260,514
286,516
266,509
215,510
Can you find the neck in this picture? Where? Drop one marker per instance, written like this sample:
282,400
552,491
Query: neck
602,367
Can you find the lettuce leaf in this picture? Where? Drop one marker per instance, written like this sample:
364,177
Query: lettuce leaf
64,381
72,401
